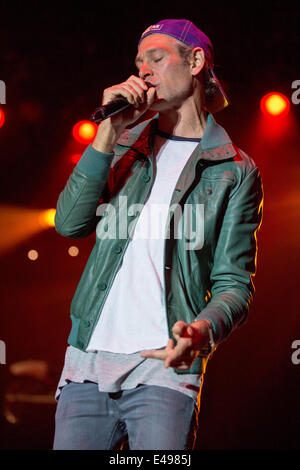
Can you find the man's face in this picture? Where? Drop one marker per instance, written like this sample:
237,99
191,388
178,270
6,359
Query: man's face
159,64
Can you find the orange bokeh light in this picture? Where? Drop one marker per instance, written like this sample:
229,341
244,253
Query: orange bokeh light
47,218
275,104
84,131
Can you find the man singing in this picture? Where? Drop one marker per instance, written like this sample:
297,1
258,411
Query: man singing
175,207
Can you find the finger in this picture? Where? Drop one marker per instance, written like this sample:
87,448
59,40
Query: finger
184,346
137,97
189,331
159,353
155,354
134,86
170,345
179,328
181,352
181,361
139,84
137,89
150,98
184,359
172,357
139,81
132,94
124,89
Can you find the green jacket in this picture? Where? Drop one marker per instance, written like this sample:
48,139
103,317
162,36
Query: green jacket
213,281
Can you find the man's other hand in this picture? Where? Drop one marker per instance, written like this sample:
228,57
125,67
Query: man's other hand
190,339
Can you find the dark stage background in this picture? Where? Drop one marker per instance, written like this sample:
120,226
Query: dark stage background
56,58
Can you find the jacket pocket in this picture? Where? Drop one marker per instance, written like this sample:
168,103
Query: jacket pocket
214,174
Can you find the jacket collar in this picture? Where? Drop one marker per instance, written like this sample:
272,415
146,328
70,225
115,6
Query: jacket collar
215,143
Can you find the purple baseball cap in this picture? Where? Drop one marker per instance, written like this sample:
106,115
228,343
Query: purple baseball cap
187,33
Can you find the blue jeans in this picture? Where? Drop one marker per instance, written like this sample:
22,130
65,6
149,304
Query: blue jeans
150,417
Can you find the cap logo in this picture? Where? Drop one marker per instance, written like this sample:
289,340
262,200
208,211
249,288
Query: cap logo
155,27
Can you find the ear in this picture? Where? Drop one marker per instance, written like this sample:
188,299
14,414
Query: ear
197,61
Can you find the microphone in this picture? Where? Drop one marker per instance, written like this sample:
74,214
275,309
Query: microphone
109,109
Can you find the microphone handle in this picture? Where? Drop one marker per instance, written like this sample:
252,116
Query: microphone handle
109,109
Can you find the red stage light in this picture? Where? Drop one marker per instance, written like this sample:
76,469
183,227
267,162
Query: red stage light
84,131
2,117
275,104
75,158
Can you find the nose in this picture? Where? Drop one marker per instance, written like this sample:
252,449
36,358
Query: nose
144,71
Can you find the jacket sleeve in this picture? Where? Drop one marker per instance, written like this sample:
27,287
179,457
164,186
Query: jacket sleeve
235,258
77,204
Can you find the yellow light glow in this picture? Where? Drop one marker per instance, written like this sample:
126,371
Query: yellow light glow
18,224
87,131
47,218
275,104
84,131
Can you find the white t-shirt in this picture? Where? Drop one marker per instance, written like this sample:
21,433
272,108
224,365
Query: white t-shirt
134,316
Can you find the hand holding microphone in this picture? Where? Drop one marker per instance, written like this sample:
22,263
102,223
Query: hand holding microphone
133,93
122,105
